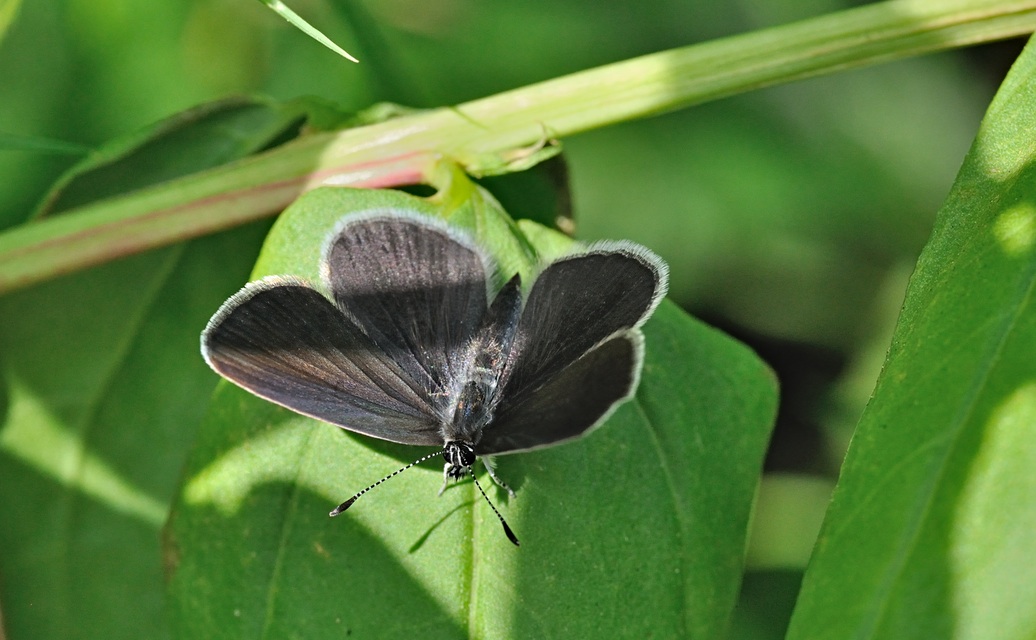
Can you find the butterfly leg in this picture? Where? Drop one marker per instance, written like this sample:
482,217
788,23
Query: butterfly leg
445,477
486,460
450,470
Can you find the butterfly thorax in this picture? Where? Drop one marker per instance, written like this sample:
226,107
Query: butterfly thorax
477,395
474,407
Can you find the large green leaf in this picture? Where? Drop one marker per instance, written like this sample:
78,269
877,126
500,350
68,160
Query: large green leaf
637,530
102,388
932,529
8,10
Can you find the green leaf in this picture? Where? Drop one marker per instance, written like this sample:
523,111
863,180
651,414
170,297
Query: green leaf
101,388
639,527
36,144
283,11
930,532
206,136
8,10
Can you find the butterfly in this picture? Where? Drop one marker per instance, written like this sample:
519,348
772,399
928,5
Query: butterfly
406,338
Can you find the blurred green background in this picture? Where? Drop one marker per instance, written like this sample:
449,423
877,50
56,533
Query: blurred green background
791,217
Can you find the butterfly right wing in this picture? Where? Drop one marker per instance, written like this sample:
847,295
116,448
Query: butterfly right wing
573,401
284,341
578,350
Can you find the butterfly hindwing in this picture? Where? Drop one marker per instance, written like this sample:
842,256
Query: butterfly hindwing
581,304
571,402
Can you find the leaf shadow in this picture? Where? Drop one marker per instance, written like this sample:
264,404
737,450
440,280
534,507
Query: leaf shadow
321,578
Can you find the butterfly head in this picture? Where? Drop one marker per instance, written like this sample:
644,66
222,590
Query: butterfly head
460,456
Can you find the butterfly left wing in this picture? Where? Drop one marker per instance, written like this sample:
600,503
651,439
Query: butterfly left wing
578,349
416,287
284,341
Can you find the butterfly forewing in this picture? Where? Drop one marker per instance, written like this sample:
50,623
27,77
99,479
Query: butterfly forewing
565,316
285,342
417,289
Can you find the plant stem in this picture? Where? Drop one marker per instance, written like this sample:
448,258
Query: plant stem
492,134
